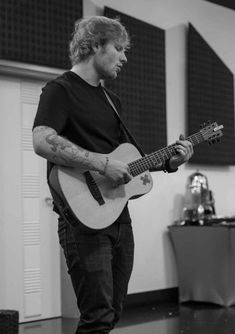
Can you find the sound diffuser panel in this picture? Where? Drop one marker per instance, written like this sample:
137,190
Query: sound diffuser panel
141,84
210,97
38,32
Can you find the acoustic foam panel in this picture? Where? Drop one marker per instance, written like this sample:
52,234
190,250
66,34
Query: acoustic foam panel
141,84
210,97
38,32
225,3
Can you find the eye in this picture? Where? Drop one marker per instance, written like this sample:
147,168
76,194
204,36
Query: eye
119,48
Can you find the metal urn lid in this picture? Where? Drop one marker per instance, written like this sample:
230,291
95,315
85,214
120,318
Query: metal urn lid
197,183
197,198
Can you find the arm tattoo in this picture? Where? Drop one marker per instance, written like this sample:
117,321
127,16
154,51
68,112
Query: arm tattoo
60,150
56,144
67,152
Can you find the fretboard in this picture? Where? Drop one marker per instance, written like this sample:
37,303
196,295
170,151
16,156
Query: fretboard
158,157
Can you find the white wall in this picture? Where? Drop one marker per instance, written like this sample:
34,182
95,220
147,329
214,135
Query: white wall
154,260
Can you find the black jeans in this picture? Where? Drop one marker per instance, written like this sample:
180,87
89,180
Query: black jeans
100,265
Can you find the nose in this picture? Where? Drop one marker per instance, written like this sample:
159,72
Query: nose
123,57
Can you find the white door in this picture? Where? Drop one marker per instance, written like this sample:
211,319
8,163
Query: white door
29,249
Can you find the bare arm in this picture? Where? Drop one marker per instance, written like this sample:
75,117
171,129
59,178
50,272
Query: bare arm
59,150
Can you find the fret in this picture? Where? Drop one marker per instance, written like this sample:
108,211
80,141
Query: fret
155,160
161,155
151,160
168,153
139,167
196,138
193,139
134,169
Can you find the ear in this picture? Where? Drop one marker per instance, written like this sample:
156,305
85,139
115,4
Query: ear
95,47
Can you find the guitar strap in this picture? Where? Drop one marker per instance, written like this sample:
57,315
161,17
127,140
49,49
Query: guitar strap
130,136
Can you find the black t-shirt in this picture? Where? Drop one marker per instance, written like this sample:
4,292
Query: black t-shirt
81,113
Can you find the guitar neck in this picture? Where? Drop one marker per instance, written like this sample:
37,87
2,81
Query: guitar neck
158,157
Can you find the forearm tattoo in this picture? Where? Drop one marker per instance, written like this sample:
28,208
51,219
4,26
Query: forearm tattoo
67,151
63,151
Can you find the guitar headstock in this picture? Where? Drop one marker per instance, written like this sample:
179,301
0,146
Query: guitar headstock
211,132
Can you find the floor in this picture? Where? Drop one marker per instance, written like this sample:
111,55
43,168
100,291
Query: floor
170,318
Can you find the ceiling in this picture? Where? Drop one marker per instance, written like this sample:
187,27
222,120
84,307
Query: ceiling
225,3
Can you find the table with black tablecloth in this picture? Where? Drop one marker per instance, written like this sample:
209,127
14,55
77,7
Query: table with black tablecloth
205,258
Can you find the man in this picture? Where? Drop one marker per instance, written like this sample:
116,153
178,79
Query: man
76,126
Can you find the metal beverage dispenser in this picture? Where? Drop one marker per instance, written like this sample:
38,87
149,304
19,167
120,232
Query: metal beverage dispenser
199,202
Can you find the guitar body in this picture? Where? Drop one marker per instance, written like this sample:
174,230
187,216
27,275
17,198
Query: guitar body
72,185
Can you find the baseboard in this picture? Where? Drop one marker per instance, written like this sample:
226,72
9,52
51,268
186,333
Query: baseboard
151,297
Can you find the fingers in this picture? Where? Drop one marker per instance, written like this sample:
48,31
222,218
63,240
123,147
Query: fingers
118,172
184,151
184,147
122,180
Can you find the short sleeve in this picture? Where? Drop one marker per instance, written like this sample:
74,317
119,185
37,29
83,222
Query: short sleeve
52,108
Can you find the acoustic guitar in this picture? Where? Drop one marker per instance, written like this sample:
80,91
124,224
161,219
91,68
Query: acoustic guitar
91,197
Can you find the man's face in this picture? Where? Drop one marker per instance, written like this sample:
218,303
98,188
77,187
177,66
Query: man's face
109,59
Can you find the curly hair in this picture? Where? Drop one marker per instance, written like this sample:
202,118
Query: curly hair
95,31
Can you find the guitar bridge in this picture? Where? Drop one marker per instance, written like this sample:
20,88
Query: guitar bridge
94,190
